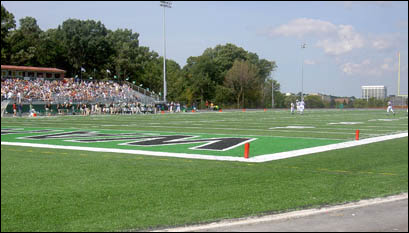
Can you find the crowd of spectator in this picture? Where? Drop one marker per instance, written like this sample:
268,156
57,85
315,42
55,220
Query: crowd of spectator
71,97
86,109
66,90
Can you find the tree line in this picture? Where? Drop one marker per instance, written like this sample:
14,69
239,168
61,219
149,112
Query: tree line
226,75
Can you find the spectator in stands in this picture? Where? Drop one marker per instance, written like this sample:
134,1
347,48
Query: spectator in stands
67,91
14,109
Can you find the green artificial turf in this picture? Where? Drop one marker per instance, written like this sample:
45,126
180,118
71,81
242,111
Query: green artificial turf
63,190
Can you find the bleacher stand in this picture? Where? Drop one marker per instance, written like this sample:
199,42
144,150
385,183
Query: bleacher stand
68,94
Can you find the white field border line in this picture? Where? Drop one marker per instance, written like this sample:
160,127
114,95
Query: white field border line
257,159
125,151
342,145
286,216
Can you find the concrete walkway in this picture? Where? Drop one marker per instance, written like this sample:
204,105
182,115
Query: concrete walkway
376,215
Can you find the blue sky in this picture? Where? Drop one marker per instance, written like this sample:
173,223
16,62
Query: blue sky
349,44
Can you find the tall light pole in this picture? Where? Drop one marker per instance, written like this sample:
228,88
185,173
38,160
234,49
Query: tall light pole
164,4
303,46
272,91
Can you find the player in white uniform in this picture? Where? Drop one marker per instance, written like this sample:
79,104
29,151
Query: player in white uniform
292,108
297,105
390,109
302,107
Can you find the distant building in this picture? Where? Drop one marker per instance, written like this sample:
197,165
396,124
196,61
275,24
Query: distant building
342,100
28,72
324,98
378,92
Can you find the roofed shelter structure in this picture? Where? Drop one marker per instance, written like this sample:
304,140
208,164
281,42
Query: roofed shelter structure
29,72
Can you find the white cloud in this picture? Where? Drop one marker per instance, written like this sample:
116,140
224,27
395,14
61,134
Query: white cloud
337,39
390,41
334,39
303,26
370,68
380,43
345,40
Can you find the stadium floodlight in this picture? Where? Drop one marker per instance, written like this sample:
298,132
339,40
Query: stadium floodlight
164,4
303,46
167,4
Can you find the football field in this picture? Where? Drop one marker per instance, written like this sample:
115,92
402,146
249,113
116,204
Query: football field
137,172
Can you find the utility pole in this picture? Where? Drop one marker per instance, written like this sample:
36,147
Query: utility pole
164,4
272,92
303,46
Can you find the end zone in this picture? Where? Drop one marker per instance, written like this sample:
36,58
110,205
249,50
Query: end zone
239,158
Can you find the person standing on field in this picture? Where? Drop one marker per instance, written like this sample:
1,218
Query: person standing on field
292,108
390,109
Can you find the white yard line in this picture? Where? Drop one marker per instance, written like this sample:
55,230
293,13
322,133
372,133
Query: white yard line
257,159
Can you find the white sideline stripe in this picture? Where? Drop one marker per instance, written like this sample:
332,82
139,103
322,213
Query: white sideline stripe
257,159
286,216
342,145
125,151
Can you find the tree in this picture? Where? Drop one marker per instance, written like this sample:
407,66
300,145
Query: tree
360,103
212,67
241,78
25,41
86,44
279,100
289,99
200,73
175,81
126,51
313,101
7,23
50,52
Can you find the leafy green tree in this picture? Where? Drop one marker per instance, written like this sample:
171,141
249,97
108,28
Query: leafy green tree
86,44
279,98
240,79
126,47
175,81
7,24
210,70
360,103
200,73
289,99
313,102
25,41
51,51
